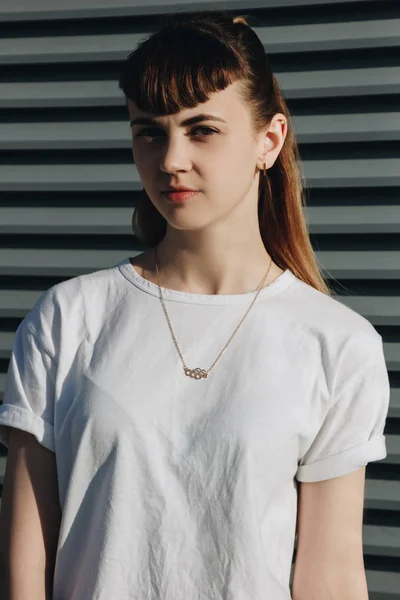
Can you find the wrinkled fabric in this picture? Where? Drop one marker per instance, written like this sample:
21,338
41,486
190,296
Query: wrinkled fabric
173,488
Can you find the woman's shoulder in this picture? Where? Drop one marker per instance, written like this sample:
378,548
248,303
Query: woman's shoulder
65,308
331,315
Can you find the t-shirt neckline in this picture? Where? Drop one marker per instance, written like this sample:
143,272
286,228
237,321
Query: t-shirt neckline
279,284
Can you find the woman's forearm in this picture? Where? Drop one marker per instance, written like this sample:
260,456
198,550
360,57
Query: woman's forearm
335,585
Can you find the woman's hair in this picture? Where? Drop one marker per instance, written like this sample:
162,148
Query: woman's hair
192,56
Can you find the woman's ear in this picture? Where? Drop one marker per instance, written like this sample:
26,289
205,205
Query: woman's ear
273,140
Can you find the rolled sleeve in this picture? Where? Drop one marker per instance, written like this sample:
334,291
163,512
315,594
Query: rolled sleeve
28,402
351,434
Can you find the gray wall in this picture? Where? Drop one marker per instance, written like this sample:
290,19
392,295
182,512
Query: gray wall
68,184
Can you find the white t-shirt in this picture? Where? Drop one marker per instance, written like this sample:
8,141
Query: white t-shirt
174,488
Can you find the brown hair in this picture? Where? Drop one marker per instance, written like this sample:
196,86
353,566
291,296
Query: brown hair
191,56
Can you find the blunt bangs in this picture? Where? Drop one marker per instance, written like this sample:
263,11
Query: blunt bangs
177,70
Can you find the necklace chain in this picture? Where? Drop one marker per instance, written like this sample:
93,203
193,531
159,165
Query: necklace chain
198,373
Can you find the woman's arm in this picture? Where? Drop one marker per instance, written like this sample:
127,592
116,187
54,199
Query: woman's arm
329,559
30,519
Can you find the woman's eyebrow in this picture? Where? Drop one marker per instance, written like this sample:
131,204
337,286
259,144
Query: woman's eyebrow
189,121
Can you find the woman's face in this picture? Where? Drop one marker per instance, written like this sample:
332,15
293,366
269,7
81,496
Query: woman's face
219,158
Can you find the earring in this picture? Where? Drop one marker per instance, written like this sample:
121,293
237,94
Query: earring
265,172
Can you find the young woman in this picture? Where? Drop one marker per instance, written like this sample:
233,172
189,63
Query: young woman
203,398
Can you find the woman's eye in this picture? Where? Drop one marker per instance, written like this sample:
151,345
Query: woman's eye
208,130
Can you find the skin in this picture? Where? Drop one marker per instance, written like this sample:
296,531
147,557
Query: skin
213,243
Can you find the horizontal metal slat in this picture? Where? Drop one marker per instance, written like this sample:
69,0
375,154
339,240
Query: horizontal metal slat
3,462
355,264
382,495
393,450
3,377
290,38
84,177
20,10
61,220
379,310
117,134
304,84
343,82
87,221
352,173
60,94
71,177
6,342
363,264
346,127
58,263
314,37
381,541
383,585
15,304
394,411
63,136
353,219
68,48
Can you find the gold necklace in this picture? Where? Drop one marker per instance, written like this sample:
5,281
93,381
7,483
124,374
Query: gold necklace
198,373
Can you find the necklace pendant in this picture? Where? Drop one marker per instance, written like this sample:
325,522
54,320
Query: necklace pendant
196,373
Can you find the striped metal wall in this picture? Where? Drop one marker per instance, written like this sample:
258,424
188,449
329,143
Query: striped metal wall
68,185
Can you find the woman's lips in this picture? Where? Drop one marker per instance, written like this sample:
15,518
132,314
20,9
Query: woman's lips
180,196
